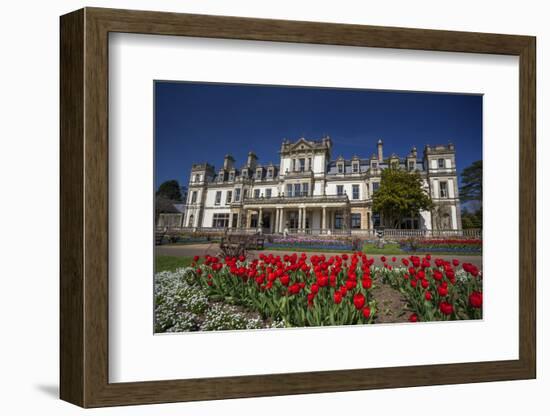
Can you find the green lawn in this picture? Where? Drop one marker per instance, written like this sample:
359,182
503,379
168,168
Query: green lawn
171,263
300,249
388,249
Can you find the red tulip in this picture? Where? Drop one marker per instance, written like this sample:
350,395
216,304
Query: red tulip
337,297
359,301
476,299
367,283
351,284
455,262
314,288
428,296
425,284
443,291
446,308
294,289
413,317
196,259
366,312
285,280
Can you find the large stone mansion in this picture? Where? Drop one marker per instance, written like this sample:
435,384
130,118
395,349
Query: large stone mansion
310,192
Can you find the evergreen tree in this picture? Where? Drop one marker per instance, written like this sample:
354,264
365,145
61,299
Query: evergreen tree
170,190
472,182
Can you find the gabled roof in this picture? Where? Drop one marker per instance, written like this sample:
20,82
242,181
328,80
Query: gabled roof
301,143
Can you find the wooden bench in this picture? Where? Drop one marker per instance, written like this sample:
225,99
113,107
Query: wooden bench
235,243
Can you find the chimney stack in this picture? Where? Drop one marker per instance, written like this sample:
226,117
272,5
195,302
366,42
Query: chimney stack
380,151
228,162
251,161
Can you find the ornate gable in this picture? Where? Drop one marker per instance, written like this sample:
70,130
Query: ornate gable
301,144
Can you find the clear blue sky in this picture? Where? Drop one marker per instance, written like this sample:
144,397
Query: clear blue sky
198,122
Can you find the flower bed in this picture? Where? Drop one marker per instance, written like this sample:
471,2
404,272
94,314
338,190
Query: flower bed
443,245
295,291
310,243
438,291
181,305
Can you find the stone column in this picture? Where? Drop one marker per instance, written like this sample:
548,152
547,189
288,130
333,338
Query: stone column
299,218
282,221
324,221
275,224
260,218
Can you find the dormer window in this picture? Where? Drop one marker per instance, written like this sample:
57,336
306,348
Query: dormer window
231,176
355,167
270,173
394,164
412,164
197,178
340,167
374,165
259,174
440,163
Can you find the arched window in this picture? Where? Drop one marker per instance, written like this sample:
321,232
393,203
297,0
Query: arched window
191,220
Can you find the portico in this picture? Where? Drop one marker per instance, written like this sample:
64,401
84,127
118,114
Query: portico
298,215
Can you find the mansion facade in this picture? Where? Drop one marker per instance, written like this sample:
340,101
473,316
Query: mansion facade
310,192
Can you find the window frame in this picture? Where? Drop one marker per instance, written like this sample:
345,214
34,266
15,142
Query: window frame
353,218
355,187
443,190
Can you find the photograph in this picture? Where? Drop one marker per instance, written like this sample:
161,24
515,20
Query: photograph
289,206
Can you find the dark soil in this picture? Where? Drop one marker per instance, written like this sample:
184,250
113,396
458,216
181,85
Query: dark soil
390,303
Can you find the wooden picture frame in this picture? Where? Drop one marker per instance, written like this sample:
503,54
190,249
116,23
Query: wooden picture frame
84,207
